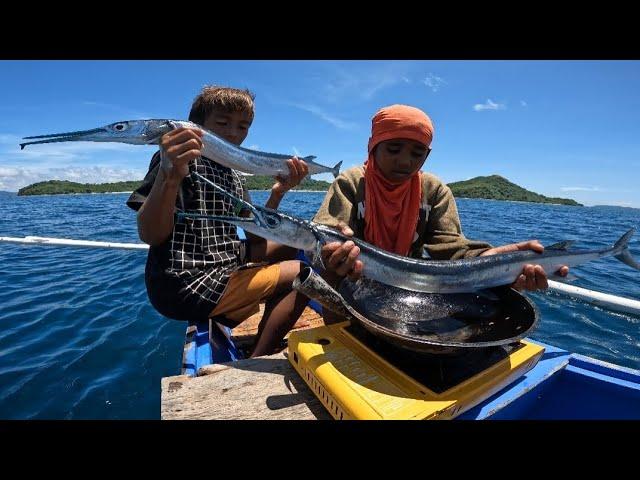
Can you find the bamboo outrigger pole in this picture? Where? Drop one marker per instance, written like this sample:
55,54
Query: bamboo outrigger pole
605,300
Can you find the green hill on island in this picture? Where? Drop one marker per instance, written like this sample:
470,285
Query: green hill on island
54,187
264,182
495,187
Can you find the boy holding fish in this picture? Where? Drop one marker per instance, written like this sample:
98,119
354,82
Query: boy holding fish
198,268
389,203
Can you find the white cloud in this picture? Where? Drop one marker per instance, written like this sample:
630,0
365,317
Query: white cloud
9,171
84,162
61,151
581,189
362,80
621,203
254,147
14,178
318,112
434,82
99,104
365,88
489,105
523,103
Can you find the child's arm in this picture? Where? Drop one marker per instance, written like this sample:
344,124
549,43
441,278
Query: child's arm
298,169
260,248
156,216
446,241
533,277
339,259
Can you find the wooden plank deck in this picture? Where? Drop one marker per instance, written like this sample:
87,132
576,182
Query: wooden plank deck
264,388
244,334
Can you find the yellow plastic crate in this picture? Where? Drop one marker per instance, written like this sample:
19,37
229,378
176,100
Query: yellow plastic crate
353,382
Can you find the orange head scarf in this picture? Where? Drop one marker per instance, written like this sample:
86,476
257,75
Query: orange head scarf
391,210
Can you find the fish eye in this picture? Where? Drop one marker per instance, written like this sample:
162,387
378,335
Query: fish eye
272,220
119,127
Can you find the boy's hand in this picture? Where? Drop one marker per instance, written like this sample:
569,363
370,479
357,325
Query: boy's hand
533,277
177,149
341,258
298,169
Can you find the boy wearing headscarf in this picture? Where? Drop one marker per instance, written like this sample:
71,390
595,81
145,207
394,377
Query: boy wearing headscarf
389,203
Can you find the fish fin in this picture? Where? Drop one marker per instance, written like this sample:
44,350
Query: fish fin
22,145
309,158
317,257
623,241
622,246
564,245
336,169
625,257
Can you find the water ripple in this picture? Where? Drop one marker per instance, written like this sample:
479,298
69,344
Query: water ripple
79,339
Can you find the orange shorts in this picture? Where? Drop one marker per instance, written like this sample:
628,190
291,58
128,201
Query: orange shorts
247,288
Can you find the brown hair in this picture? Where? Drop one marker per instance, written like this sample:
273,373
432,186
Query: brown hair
227,99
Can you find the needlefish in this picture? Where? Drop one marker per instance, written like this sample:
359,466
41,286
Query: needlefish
419,275
216,148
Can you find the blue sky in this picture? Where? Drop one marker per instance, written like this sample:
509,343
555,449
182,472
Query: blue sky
560,128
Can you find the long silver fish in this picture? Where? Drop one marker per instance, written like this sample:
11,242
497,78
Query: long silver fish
429,276
148,132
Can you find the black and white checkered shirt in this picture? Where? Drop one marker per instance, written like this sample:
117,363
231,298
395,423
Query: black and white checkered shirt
200,255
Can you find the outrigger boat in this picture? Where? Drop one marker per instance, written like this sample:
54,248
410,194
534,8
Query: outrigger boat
527,380
558,384
355,375
407,354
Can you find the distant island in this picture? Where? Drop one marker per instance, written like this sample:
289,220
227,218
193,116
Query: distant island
265,182
60,187
493,187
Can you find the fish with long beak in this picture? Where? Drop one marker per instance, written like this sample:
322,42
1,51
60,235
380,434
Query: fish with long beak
216,148
429,276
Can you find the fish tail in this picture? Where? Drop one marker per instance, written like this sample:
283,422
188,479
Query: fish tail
622,247
336,169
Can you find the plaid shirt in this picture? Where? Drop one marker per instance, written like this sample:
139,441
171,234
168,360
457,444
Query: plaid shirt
201,254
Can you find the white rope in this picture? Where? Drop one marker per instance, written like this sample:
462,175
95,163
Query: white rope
611,302
74,243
